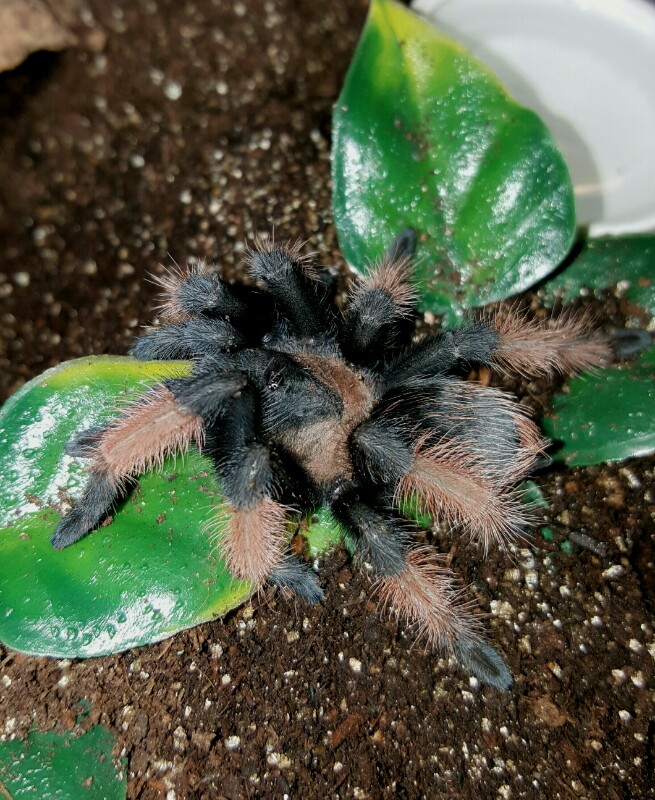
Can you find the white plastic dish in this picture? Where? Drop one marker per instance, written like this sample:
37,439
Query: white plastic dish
587,67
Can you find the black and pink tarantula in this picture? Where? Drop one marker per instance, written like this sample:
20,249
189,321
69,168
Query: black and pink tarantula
297,405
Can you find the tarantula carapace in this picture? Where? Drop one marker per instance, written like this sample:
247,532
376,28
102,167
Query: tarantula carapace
297,404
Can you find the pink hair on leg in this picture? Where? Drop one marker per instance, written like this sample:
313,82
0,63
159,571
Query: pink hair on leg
146,433
253,540
448,485
565,345
423,594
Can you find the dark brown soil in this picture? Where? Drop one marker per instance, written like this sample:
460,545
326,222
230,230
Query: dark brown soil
200,124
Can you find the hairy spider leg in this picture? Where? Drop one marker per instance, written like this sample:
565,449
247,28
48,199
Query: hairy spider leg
456,450
488,423
413,586
191,290
192,339
566,344
510,342
138,440
294,284
380,308
254,539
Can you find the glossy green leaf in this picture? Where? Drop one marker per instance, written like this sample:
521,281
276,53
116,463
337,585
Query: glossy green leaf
150,573
625,263
62,767
608,415
323,532
425,136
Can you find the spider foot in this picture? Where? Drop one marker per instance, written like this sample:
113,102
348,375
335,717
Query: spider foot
290,573
482,660
99,494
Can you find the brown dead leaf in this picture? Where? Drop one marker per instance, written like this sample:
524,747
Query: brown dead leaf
544,709
30,25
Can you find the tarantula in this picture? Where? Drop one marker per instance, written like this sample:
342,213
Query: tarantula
297,404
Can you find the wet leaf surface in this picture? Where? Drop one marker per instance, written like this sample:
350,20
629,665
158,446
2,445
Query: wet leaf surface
151,572
62,767
424,136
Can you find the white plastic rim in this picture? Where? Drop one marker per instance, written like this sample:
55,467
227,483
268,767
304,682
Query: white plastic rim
587,67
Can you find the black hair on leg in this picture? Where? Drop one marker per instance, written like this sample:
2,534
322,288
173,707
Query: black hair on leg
482,660
381,539
99,493
208,392
291,573
197,337
628,342
442,353
380,450
403,246
294,285
379,313
208,295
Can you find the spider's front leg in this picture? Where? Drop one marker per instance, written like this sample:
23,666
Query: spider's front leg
202,315
183,340
378,315
295,285
166,420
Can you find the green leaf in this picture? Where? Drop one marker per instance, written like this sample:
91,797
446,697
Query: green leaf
624,262
150,573
425,136
62,766
609,415
323,532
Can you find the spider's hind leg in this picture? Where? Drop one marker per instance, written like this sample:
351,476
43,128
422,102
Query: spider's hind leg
414,586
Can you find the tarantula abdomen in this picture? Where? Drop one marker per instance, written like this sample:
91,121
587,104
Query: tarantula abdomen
297,405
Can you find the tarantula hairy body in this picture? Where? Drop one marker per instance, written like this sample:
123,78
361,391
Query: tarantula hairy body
297,404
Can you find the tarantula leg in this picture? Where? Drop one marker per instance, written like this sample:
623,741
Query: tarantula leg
447,483
627,342
378,309
380,452
530,348
253,540
82,444
403,246
139,439
210,388
100,492
442,352
191,291
294,284
291,573
197,337
482,660
497,432
413,586
381,539
512,342
423,594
